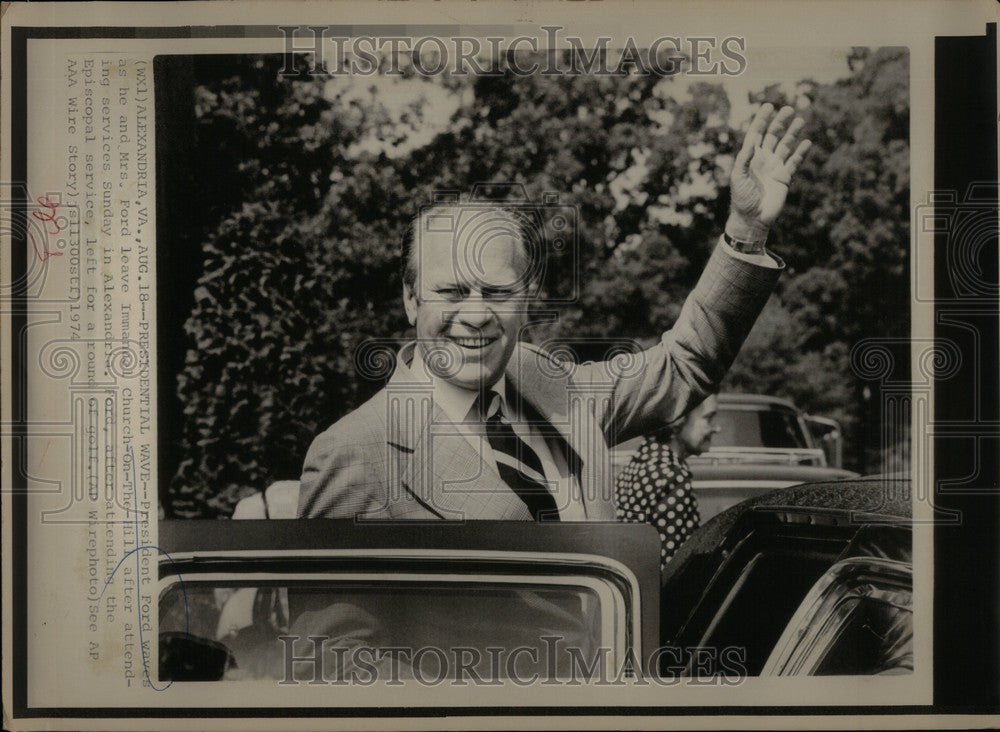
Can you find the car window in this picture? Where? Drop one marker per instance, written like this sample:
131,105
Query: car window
875,636
763,598
238,628
768,428
227,591
857,619
748,600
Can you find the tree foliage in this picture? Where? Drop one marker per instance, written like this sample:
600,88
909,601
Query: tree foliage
310,183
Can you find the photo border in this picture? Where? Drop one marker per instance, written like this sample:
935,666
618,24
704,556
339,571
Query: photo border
965,680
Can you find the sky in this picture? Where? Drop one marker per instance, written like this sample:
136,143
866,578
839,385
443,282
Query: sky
784,66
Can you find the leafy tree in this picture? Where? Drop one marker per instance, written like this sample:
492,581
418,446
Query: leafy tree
845,237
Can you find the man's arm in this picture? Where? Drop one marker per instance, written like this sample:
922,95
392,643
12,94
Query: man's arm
692,358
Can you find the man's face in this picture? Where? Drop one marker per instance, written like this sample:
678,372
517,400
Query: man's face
696,434
469,301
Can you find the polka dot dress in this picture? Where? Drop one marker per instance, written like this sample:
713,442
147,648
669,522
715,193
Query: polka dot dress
655,488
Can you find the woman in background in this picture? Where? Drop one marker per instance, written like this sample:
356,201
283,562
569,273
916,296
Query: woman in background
655,487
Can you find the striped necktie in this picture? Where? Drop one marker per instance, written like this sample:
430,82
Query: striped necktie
519,466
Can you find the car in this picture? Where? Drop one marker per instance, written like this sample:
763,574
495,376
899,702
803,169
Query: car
810,580
764,428
753,427
718,487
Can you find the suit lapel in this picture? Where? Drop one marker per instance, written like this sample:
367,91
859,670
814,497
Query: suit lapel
545,385
433,462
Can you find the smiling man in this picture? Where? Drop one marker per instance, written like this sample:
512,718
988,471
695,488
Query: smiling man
476,424
466,285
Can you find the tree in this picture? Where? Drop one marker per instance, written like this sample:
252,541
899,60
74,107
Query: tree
845,235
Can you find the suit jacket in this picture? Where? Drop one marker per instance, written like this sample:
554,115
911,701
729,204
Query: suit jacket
397,457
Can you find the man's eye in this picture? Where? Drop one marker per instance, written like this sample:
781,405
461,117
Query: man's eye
491,293
452,294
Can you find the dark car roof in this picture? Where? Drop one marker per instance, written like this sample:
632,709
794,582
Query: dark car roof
622,542
854,500
727,398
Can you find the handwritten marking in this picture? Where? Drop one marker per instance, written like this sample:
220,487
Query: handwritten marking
138,597
41,460
49,217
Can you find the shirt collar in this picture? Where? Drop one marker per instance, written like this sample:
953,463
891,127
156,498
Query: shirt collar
455,401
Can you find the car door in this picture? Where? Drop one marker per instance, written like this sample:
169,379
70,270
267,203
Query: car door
447,593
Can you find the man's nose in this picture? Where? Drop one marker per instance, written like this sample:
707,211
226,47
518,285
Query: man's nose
474,312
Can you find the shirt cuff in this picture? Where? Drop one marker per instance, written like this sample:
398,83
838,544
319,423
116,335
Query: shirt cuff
764,259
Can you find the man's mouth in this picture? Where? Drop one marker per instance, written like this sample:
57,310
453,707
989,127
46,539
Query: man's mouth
473,343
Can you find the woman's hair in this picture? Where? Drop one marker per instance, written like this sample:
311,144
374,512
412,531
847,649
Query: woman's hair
666,433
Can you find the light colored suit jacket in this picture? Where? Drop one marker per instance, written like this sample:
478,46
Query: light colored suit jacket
397,457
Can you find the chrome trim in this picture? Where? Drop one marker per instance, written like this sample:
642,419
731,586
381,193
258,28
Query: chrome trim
811,622
772,455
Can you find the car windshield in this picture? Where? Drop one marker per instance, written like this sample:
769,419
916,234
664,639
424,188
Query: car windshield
765,427
224,631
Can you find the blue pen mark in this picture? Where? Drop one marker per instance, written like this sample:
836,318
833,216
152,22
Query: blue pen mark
138,598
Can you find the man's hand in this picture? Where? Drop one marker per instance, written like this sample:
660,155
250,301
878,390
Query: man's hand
762,171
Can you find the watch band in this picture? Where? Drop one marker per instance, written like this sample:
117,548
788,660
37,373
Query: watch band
744,247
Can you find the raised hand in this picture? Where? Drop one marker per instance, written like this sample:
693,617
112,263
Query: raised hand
763,169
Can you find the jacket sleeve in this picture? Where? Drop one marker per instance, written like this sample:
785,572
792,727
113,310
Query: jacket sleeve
657,386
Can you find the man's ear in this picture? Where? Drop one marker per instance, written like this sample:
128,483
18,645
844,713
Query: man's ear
410,304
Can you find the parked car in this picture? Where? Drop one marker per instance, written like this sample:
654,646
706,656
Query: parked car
763,443
802,581
753,427
229,589
766,429
719,487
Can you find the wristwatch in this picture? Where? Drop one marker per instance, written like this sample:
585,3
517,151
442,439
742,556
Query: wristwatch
744,247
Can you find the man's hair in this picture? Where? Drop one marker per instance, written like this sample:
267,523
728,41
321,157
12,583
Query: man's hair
526,222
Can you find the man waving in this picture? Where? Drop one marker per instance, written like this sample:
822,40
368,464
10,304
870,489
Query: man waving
476,424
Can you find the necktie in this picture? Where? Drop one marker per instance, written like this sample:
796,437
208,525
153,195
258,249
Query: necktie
518,465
